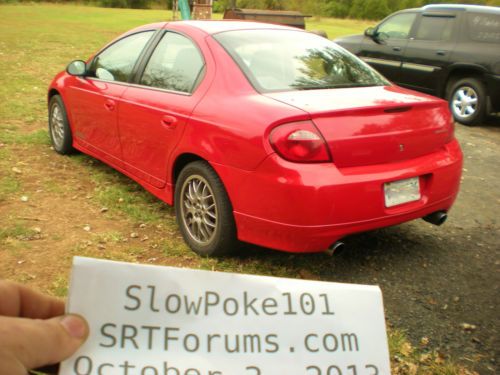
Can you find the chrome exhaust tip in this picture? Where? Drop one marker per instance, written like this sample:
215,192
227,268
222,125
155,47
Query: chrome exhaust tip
335,248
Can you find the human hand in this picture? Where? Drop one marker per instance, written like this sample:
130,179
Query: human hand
34,331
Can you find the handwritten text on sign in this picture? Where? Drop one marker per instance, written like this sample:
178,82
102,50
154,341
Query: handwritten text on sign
150,320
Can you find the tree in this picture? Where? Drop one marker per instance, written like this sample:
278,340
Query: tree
369,9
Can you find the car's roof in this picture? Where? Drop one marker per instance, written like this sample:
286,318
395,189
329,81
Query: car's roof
149,26
213,27
462,7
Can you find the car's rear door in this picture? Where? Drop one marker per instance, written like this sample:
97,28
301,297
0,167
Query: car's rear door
428,52
385,50
94,99
154,111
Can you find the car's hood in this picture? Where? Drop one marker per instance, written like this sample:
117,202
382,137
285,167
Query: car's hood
357,38
352,43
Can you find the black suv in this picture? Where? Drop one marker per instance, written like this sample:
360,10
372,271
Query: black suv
451,51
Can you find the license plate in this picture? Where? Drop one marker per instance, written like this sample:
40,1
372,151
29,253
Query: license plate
402,191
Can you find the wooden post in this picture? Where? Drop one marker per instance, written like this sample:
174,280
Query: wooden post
175,9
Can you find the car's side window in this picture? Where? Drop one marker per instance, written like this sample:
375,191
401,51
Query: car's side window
484,27
117,61
435,28
176,65
397,27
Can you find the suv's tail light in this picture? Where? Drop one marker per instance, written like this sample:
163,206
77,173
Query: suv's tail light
299,142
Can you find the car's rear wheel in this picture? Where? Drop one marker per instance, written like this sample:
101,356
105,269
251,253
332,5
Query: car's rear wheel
59,129
467,99
204,212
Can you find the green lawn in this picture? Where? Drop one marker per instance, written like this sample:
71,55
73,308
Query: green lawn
336,27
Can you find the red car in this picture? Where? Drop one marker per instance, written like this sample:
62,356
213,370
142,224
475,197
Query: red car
260,133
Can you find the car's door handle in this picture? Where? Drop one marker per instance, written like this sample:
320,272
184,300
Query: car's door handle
397,49
169,122
110,105
441,53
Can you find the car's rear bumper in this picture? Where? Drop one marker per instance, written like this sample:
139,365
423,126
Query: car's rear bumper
307,207
303,239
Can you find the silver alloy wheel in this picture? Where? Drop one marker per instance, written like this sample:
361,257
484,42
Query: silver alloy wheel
464,102
199,209
57,125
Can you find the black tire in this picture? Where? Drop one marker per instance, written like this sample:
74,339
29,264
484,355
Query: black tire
204,212
471,110
59,129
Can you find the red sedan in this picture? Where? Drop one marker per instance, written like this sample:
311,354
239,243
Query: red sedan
260,133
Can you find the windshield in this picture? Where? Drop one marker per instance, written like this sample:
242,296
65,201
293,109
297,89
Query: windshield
280,60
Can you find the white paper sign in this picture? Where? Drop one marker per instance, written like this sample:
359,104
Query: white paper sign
151,320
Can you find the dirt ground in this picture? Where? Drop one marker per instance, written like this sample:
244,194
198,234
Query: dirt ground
441,284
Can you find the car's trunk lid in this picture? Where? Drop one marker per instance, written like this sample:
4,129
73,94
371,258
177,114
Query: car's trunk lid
374,125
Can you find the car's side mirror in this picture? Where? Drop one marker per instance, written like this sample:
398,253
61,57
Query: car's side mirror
376,36
370,32
77,68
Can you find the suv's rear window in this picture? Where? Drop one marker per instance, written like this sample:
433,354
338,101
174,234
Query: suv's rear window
280,60
484,27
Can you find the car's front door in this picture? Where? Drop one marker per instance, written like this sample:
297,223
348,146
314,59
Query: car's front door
428,52
153,113
94,99
384,51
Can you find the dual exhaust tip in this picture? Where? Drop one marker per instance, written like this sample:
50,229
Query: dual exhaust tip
436,218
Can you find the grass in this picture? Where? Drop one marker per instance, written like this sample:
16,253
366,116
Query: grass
117,192
335,28
122,194
17,231
36,42
8,186
59,286
36,137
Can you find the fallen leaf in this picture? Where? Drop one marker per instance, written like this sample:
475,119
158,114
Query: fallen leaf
406,349
468,327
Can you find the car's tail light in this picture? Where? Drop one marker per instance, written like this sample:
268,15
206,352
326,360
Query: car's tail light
299,142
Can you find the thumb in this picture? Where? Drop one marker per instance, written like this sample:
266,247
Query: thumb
34,343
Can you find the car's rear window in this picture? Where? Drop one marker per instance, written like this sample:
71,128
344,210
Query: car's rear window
280,60
484,27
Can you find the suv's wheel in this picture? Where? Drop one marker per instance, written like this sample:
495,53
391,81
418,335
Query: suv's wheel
59,130
204,212
467,99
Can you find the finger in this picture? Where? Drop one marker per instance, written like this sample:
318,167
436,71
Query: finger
18,300
38,343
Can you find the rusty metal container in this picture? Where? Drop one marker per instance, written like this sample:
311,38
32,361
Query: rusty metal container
202,9
289,18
